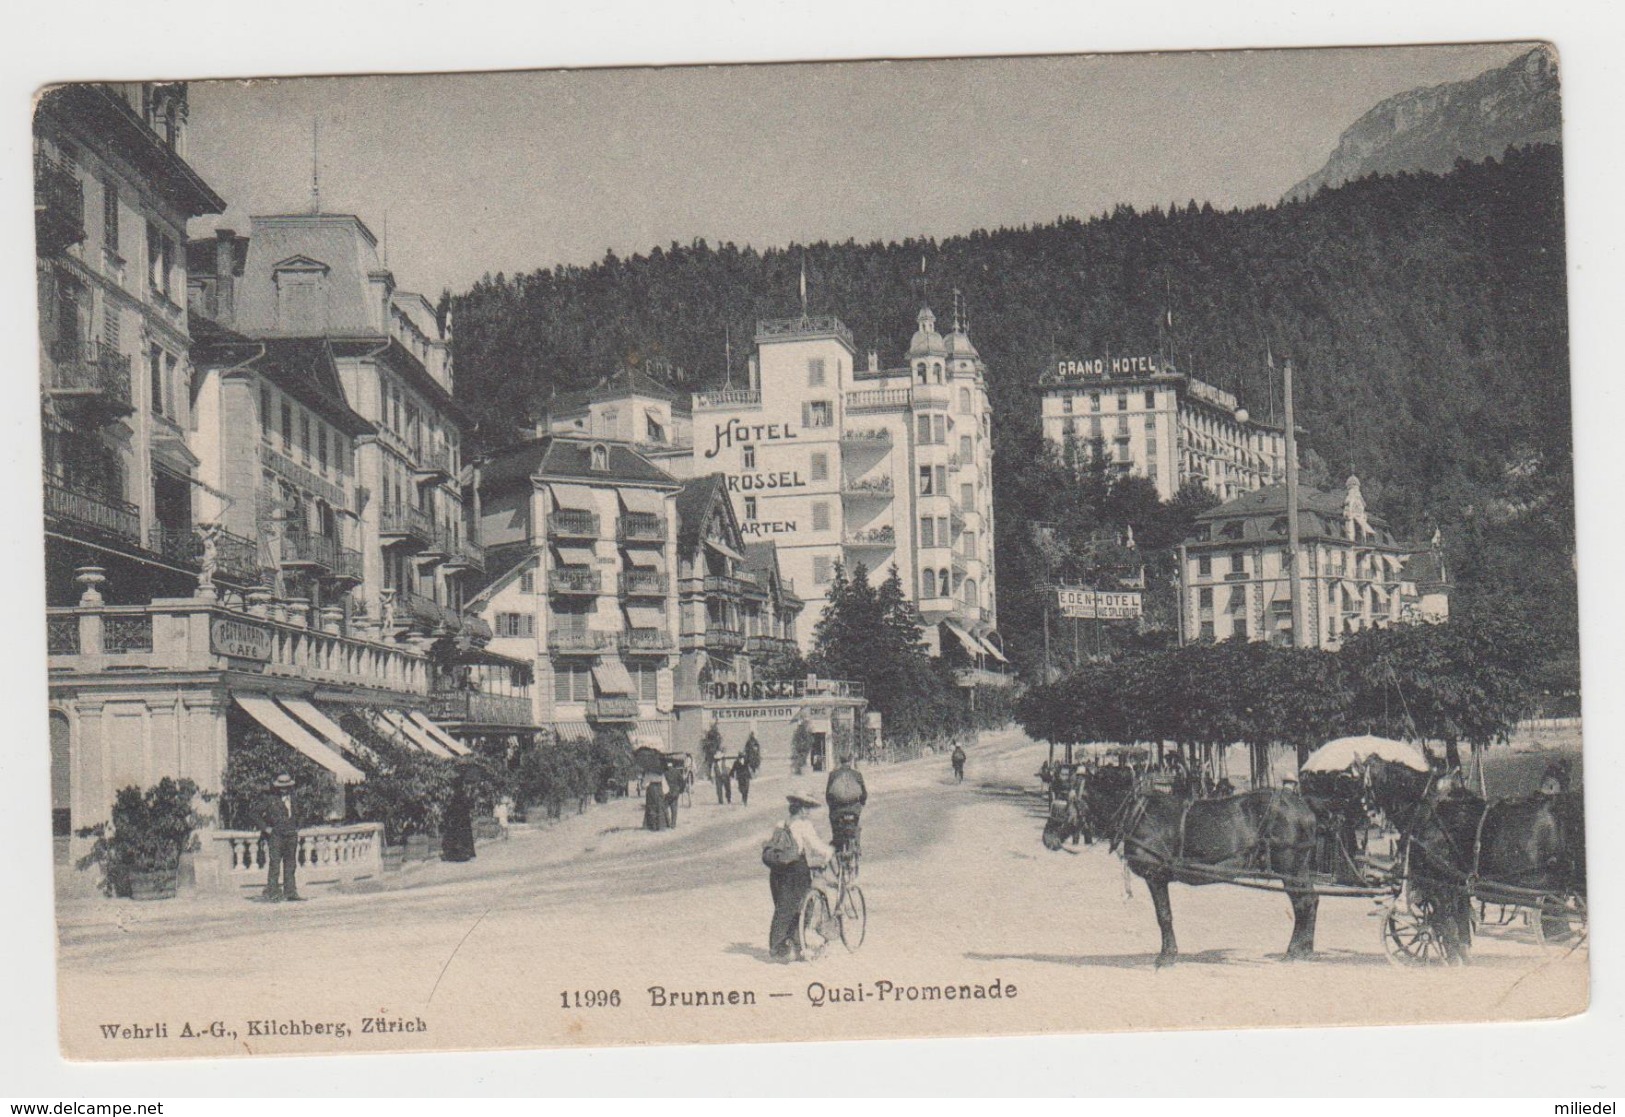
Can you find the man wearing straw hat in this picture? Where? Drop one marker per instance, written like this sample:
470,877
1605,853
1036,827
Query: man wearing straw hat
279,826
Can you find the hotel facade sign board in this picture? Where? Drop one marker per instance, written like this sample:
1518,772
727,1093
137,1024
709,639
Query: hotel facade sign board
1104,368
239,639
1099,605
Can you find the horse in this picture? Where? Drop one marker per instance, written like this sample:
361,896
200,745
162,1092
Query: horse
1524,850
1164,839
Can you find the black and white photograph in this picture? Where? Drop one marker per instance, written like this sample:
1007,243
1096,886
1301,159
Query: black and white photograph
863,549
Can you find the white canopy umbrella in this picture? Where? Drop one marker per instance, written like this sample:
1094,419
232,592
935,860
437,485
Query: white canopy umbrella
1349,752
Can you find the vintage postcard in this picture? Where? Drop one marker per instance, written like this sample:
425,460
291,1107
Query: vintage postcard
822,551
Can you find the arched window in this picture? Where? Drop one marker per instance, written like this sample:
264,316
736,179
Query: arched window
964,401
929,583
970,593
600,457
945,583
936,372
919,370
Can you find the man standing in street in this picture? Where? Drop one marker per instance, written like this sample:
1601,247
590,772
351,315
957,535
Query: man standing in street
958,759
279,826
742,774
790,879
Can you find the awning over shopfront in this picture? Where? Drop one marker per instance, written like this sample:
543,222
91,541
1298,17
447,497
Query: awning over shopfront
277,721
653,734
566,731
645,616
576,498
323,726
992,649
970,643
643,500
647,560
413,735
446,740
612,678
576,556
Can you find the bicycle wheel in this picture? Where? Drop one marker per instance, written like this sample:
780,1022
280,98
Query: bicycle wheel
810,925
853,918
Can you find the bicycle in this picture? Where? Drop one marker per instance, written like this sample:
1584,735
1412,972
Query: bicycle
835,897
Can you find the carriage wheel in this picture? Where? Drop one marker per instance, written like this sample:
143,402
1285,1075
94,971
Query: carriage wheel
1409,937
811,925
1559,924
853,918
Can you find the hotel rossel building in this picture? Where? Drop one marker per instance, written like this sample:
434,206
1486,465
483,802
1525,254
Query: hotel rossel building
1147,420
837,463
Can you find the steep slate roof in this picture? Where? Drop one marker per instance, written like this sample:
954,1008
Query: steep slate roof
554,456
694,503
1425,568
301,366
617,385
762,563
1260,515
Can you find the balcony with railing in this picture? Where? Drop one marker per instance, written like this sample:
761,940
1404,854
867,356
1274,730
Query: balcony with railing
875,538
612,708
465,555
634,641
405,523
723,585
302,550
189,636
642,527
588,583
933,396
729,399
572,523
877,488
477,708
806,326
643,583
59,206
722,639
879,399
425,614
91,376
96,512
576,641
860,438
432,464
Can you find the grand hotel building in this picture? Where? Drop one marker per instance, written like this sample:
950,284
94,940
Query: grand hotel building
1147,420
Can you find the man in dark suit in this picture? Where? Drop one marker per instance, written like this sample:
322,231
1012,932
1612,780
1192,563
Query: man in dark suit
279,826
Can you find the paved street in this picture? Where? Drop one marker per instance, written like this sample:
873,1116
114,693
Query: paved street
960,893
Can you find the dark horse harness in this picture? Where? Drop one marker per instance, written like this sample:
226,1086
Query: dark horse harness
1132,812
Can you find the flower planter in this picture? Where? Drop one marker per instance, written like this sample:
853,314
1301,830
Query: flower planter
157,884
394,857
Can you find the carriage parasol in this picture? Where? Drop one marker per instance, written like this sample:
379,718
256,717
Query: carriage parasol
1350,752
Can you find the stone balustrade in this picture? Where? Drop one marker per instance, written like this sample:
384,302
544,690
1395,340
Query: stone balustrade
234,860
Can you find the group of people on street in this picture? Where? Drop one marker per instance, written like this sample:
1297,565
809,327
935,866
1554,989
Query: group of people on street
661,796
726,772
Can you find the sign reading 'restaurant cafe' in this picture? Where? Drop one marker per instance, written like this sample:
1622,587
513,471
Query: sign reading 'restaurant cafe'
1089,368
239,639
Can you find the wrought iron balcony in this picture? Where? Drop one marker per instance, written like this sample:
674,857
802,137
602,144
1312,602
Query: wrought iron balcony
59,206
302,550
613,708
635,640
572,523
860,438
867,488
774,329
433,465
586,582
466,555
106,515
719,639
467,707
724,584
643,583
579,641
404,523
872,537
92,376
642,527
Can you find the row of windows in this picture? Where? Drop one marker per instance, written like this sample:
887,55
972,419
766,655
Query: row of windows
1149,397
1097,426
161,249
301,434
415,424
938,583
573,683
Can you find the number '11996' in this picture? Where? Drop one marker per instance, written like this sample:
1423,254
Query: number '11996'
591,998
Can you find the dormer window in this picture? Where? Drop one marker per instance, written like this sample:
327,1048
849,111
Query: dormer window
301,296
600,458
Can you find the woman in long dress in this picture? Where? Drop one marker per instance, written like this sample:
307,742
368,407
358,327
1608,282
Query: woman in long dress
654,805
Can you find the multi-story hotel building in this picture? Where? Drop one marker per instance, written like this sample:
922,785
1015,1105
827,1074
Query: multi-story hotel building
361,501
836,463
1234,576
112,195
1144,419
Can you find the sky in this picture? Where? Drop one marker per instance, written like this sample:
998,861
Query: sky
469,174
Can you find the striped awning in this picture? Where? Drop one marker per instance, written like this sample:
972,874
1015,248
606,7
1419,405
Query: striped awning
645,616
612,678
643,500
576,556
408,731
282,726
324,726
646,559
444,739
577,498
970,643
992,649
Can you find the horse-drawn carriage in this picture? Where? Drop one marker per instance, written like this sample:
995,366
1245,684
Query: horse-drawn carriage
1366,820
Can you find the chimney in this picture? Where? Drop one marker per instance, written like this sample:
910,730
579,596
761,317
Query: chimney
225,273
874,361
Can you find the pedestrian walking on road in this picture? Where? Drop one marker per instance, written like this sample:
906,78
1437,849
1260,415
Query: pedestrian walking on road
676,781
654,805
753,753
958,759
457,823
742,775
791,854
722,776
279,826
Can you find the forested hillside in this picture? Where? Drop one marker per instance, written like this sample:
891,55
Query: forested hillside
1425,314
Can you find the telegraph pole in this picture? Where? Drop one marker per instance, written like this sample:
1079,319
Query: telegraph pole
1294,575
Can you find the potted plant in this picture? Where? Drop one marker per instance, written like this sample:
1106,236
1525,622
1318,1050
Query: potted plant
139,851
